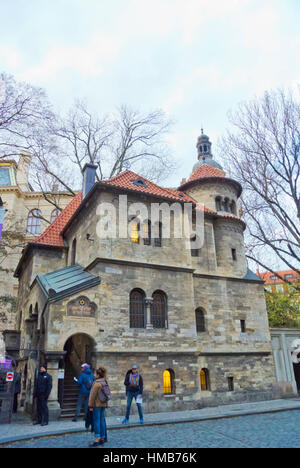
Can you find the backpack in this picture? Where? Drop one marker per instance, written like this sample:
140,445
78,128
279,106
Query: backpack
89,383
104,394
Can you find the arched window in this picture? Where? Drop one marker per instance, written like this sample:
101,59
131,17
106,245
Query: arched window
34,222
137,309
54,215
226,204
194,252
158,234
73,253
219,204
147,232
159,310
204,380
135,232
233,207
200,320
169,382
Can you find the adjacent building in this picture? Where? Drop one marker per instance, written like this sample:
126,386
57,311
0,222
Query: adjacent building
28,213
274,283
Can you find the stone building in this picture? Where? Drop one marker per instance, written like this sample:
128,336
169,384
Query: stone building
27,212
192,317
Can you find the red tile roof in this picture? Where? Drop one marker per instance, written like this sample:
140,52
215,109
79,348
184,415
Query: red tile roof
52,234
206,171
266,276
126,179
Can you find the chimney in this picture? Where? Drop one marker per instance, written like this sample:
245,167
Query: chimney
23,170
89,176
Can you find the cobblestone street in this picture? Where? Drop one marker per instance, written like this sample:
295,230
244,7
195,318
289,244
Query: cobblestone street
277,430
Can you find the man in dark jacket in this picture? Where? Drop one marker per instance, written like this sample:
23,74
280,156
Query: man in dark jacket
85,383
134,389
42,390
17,390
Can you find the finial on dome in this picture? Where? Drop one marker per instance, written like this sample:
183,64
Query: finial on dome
204,152
203,145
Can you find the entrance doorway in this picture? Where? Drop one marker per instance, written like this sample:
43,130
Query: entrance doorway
79,350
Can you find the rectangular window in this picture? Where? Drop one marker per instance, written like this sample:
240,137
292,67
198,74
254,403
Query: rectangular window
243,326
234,257
230,384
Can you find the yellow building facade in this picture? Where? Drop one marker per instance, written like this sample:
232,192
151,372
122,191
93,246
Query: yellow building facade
28,214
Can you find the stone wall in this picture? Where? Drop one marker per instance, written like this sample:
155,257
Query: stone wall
207,192
226,302
228,236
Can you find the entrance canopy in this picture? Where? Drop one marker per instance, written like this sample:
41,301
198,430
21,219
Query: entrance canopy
64,282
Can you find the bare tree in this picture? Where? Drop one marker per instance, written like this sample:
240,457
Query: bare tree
126,140
139,143
60,146
262,153
24,110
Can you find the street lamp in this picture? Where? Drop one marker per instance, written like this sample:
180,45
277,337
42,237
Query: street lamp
2,214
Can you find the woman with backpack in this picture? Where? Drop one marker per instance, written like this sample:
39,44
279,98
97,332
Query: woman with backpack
98,402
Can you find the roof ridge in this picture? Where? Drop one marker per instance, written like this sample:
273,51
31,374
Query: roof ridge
52,234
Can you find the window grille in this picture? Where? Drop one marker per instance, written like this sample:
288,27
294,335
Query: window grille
137,309
159,310
200,321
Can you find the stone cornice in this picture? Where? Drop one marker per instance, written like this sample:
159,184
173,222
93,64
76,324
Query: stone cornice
187,353
139,264
230,278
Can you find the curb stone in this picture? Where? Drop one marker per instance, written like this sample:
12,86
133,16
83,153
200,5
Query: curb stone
230,414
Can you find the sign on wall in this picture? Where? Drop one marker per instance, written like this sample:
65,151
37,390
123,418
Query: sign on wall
81,307
9,377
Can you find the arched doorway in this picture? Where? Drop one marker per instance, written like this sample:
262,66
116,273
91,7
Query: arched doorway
79,350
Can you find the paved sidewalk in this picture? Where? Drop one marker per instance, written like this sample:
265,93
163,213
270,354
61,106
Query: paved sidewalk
22,428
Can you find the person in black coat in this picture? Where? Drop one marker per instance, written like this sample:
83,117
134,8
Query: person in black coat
42,390
17,390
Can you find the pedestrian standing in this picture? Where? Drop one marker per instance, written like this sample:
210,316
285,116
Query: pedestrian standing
42,390
134,389
98,402
85,383
17,390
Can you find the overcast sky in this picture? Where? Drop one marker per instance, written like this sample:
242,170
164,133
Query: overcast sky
196,59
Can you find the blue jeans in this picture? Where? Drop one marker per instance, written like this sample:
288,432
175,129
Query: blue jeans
99,422
83,400
130,396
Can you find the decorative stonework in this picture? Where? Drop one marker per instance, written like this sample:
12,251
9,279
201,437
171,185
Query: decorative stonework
81,307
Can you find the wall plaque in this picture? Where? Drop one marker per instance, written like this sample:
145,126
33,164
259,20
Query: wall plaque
81,307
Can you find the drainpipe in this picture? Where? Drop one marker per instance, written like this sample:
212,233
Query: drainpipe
2,214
